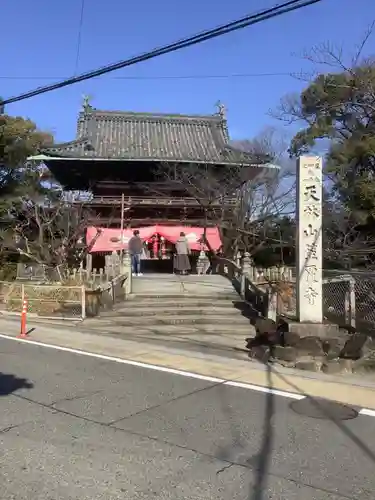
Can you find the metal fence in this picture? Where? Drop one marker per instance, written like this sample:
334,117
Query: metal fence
10,296
49,301
349,299
60,301
348,296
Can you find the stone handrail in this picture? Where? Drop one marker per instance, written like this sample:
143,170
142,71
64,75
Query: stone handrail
104,296
241,281
269,290
227,266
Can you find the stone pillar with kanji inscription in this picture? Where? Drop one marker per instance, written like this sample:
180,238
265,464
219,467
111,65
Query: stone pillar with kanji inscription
309,240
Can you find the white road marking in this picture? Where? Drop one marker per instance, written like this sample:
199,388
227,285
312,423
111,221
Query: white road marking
267,390
367,411
230,383
116,360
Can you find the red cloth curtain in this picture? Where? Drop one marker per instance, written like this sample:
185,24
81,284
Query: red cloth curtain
110,239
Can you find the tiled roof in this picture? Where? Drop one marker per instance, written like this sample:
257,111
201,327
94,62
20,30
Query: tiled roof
153,137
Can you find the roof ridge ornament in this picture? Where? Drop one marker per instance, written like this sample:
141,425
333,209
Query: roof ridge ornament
86,106
221,110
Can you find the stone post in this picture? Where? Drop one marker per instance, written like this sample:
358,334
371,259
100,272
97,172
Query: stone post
309,260
238,259
246,273
116,260
126,268
107,264
272,303
89,266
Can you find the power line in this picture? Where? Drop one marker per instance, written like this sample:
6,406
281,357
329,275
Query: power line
206,35
249,20
160,77
79,38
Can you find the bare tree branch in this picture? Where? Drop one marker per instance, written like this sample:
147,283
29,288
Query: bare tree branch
50,233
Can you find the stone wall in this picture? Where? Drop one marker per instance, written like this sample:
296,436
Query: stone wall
337,352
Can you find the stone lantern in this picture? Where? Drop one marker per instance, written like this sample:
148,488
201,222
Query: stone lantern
203,263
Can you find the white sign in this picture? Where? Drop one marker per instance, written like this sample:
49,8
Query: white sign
192,237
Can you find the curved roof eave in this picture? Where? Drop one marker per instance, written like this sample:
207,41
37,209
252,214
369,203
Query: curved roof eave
45,158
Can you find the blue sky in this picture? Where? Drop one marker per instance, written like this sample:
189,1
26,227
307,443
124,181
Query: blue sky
42,37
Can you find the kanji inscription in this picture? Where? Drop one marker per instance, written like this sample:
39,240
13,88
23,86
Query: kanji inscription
310,231
311,274
311,251
312,210
310,295
311,192
312,177
309,239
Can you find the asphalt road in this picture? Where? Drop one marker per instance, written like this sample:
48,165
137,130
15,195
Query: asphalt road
75,427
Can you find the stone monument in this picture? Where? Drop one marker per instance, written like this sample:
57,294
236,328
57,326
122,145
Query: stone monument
309,240
310,343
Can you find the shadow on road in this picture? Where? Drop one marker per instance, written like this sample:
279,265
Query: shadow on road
262,465
10,383
343,428
264,456
260,462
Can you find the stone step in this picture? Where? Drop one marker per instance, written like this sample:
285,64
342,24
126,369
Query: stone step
176,330
183,296
229,321
182,310
182,285
177,289
178,303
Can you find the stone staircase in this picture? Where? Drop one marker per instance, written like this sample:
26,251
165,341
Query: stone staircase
171,305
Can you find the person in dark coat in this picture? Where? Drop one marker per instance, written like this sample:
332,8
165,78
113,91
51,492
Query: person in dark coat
181,259
135,249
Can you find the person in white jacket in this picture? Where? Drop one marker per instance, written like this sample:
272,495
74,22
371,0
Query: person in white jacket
181,259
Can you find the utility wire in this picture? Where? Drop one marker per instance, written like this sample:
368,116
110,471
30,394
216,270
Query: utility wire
79,38
249,20
160,77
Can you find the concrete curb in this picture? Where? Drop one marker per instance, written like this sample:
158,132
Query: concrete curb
252,365
234,372
230,379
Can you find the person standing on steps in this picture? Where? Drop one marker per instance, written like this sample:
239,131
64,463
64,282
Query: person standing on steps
135,250
181,260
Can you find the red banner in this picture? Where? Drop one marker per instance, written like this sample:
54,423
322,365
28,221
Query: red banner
110,240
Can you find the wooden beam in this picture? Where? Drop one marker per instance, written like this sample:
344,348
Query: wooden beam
116,222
